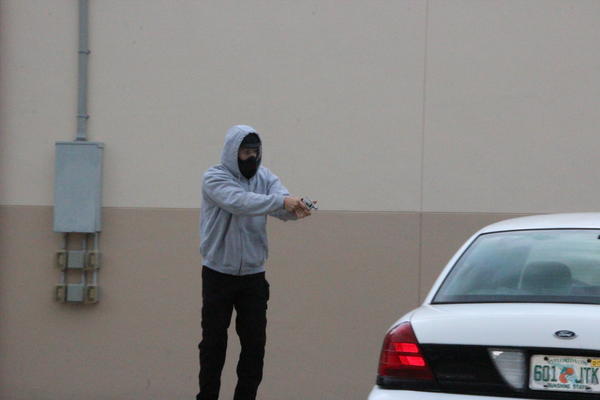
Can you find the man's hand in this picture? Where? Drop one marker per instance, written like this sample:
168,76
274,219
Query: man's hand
296,206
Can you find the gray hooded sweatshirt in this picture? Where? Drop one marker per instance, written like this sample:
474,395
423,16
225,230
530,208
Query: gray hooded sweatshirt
233,218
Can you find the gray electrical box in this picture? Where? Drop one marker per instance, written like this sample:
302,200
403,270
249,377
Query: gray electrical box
78,187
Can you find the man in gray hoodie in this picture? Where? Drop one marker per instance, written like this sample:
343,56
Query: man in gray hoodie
237,196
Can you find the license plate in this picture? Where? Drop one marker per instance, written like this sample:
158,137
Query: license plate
565,373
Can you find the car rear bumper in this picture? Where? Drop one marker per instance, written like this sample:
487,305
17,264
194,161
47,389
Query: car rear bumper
385,394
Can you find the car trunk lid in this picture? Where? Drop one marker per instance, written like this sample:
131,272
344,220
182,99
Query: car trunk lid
521,325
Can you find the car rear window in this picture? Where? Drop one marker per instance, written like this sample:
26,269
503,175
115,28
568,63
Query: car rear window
540,266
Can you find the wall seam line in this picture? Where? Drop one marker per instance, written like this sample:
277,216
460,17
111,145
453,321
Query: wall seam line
424,105
423,123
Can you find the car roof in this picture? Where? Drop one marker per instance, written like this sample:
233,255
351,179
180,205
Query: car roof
588,220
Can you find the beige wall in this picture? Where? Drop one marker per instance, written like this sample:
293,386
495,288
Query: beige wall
484,106
335,87
511,117
338,281
414,123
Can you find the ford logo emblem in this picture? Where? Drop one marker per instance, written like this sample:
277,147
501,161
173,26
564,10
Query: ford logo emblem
565,334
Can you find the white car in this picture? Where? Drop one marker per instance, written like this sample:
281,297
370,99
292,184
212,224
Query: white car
514,315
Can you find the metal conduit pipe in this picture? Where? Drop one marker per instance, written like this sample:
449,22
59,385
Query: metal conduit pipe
84,54
97,260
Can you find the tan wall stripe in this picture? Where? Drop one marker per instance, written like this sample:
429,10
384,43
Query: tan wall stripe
338,281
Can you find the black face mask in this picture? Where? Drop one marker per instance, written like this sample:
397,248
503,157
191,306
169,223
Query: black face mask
248,167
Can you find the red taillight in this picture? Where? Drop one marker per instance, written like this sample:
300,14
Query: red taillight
401,356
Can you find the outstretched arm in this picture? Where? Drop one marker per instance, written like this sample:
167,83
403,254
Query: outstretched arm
230,196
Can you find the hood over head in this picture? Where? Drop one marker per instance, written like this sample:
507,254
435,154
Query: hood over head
233,139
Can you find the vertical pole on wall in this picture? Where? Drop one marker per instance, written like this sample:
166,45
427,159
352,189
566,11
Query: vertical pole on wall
84,248
61,262
97,261
84,53
63,274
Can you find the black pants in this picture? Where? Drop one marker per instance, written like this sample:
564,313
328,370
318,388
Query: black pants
220,294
